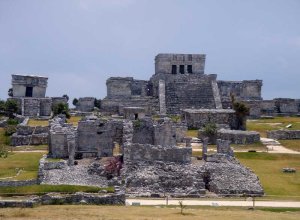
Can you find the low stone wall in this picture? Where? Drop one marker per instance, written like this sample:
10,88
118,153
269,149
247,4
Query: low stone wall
238,137
85,104
28,130
147,152
36,139
284,134
64,199
198,118
15,183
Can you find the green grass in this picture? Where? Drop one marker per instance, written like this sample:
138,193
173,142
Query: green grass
29,162
35,122
268,167
258,146
43,189
192,133
272,209
263,125
291,144
74,120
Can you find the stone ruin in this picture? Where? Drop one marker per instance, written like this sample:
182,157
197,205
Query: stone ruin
154,163
26,135
29,92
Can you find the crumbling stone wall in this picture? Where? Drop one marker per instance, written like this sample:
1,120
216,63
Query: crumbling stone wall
26,135
85,104
285,105
147,152
284,134
198,118
60,135
238,137
242,90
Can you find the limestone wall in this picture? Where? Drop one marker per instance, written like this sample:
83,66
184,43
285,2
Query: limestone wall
38,84
164,63
197,118
284,134
147,152
238,137
85,104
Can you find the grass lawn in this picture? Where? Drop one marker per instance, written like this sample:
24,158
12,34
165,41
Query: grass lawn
28,162
291,144
263,125
35,122
268,167
146,213
192,133
74,120
43,189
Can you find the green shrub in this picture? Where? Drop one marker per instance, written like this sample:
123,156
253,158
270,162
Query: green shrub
61,108
210,129
11,121
10,129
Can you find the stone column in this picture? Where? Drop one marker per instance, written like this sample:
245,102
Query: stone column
71,149
204,147
188,142
162,97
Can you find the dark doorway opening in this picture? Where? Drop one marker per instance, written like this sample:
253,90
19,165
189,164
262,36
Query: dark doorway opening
190,69
136,116
174,69
181,69
29,91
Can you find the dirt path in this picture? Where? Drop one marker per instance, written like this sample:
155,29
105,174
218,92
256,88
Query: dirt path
275,147
213,203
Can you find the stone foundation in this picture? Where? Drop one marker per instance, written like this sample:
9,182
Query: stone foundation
238,137
284,134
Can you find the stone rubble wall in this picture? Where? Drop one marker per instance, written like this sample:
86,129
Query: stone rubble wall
27,135
78,198
224,175
239,137
284,134
147,152
85,104
198,118
15,183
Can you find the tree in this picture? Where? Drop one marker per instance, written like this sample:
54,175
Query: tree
97,103
61,108
75,101
66,96
2,106
241,111
11,108
10,92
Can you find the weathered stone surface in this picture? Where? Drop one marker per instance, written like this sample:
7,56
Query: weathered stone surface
198,118
134,113
226,176
37,83
147,152
85,104
238,137
15,183
223,147
27,135
284,134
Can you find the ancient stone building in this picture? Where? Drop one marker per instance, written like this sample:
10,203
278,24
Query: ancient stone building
29,92
179,82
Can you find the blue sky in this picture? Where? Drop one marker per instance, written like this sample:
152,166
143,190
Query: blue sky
78,44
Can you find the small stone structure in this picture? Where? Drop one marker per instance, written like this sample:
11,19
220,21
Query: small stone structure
85,104
198,118
284,134
223,147
27,135
134,113
29,86
238,137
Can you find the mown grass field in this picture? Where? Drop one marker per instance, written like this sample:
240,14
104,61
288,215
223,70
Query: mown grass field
144,213
15,161
291,144
74,120
268,167
264,125
35,122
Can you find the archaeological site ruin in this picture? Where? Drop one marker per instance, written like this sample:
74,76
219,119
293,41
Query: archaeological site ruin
136,138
